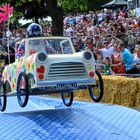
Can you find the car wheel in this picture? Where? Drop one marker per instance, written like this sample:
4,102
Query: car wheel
97,90
67,98
3,98
22,89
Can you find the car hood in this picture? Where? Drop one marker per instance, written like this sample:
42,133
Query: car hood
76,57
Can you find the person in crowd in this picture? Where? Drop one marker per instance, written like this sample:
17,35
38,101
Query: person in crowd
76,44
137,37
107,49
108,68
9,56
99,62
136,57
131,41
8,52
116,60
127,60
90,46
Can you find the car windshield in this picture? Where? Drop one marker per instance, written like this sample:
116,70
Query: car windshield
50,46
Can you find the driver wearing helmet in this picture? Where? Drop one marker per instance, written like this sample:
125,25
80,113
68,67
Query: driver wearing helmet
34,30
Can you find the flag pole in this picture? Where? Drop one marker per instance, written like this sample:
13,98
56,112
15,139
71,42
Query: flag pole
6,12
8,40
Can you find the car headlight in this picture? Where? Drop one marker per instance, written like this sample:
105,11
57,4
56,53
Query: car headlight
42,57
88,56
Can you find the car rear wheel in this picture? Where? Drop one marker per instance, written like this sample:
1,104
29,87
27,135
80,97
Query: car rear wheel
97,90
3,98
67,98
22,89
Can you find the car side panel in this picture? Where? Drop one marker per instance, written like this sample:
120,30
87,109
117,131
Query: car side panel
12,71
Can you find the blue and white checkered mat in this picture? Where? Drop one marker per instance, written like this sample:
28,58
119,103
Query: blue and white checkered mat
49,119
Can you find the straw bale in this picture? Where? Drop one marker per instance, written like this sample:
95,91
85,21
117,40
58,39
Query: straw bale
117,90
82,95
137,94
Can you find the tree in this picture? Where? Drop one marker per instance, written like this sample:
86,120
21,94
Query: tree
73,5
35,9
32,9
57,16
81,5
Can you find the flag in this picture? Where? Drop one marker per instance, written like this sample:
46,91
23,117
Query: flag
6,11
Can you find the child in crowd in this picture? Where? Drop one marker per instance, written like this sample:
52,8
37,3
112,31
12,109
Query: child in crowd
99,62
108,69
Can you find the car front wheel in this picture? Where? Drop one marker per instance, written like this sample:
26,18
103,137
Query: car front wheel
96,90
22,89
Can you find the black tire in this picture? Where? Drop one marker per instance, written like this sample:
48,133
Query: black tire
98,84
67,98
22,92
3,98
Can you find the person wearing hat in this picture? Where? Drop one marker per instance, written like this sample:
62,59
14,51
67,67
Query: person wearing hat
89,42
127,60
90,45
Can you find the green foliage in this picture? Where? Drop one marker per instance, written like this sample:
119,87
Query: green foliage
15,16
36,9
73,5
81,5
66,5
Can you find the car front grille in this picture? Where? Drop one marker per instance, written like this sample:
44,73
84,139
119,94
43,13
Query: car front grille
67,69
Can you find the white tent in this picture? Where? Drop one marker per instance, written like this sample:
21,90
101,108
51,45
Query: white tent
115,3
24,21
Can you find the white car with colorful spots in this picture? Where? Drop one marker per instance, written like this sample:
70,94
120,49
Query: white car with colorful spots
45,65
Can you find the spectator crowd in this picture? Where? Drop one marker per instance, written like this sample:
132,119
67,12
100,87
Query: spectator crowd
113,36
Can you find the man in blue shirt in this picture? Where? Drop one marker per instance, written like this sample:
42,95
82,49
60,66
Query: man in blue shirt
127,60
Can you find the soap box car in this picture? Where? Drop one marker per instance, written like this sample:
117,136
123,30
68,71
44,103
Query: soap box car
46,65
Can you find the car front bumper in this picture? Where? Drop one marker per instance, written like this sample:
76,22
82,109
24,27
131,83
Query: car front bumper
78,82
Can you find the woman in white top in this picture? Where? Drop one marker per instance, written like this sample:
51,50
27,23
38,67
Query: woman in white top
136,57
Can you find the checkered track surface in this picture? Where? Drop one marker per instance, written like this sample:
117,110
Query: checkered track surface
49,119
